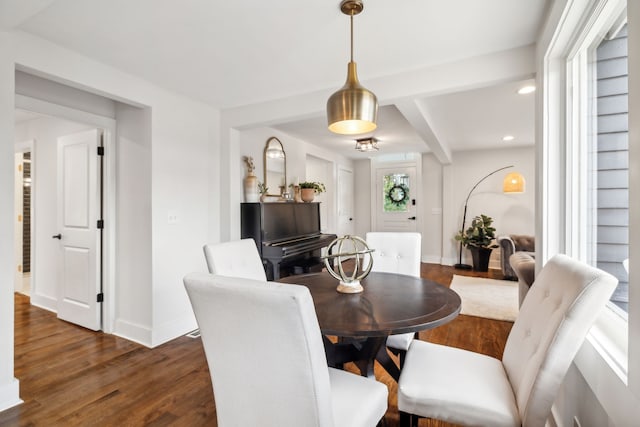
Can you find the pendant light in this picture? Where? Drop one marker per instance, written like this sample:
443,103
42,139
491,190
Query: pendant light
352,109
513,183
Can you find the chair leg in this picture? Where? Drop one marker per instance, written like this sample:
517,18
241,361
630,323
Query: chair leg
408,420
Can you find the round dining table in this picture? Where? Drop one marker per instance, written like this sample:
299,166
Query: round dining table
390,304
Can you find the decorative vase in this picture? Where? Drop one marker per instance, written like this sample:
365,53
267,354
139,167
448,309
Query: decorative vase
251,193
296,194
307,194
480,258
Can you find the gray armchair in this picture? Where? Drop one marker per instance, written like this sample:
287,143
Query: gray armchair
511,244
525,268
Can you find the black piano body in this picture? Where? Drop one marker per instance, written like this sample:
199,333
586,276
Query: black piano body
287,235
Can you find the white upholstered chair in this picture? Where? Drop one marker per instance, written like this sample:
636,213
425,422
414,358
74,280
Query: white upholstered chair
467,388
396,252
266,358
238,258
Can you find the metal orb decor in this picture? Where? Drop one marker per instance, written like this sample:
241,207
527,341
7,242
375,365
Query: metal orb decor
359,252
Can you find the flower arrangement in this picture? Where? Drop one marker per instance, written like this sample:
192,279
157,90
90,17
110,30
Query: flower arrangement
318,187
250,166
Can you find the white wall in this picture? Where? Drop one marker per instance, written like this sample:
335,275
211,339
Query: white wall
431,209
133,212
8,384
45,131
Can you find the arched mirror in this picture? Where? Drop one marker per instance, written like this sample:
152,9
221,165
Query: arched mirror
275,167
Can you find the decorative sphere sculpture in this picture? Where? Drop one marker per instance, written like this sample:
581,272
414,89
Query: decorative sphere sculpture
349,247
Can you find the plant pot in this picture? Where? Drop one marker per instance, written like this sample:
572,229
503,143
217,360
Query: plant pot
307,194
480,258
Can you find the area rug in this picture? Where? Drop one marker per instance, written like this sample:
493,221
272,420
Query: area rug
488,298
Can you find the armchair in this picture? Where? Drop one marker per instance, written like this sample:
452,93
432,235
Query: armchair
511,244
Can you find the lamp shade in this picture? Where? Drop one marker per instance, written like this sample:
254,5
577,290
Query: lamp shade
513,183
352,109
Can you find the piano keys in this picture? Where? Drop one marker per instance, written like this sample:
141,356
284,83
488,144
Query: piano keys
287,235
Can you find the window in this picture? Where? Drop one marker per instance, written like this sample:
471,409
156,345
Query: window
588,196
610,166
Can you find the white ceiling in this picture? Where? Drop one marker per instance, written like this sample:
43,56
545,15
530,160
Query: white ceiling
237,53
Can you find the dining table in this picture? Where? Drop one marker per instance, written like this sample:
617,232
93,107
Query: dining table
360,323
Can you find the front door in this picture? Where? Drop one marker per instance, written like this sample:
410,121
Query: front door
395,199
79,235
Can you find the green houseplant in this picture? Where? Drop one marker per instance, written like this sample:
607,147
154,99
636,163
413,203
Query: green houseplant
308,190
479,238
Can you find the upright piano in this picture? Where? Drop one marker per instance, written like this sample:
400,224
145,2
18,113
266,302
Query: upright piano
287,235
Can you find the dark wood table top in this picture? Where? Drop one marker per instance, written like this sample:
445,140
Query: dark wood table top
390,304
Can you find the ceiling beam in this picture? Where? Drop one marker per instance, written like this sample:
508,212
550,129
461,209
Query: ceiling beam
419,118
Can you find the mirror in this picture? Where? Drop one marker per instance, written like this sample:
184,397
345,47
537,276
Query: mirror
275,167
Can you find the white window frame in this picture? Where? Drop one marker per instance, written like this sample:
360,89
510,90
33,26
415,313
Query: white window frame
610,358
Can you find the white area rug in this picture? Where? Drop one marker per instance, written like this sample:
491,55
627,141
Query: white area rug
489,298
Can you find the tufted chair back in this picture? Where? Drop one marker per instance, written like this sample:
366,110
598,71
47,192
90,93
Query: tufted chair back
267,362
239,258
553,321
396,252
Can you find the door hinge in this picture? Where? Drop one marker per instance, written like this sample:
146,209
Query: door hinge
100,297
100,224
100,151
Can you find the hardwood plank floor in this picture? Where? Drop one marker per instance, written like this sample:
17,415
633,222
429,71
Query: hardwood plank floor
71,376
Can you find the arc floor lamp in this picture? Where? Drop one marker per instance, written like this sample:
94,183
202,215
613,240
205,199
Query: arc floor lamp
513,183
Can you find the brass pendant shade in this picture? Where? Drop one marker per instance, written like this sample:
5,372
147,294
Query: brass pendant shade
352,109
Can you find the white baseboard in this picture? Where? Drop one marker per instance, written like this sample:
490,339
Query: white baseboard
44,302
431,259
173,329
133,332
448,261
10,394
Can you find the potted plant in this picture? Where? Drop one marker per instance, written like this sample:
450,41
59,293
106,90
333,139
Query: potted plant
263,190
308,190
479,239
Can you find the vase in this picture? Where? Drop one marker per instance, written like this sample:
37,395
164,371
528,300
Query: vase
307,194
480,258
251,193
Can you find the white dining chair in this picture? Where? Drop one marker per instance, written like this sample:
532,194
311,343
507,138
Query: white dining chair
237,258
267,362
471,389
396,252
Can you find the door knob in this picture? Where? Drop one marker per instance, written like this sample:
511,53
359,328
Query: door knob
57,236
412,217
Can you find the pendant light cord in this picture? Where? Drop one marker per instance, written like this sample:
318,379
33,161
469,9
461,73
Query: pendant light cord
351,18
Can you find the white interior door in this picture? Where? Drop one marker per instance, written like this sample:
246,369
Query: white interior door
78,213
345,202
395,199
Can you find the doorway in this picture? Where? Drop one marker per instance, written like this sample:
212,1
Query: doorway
56,270
22,217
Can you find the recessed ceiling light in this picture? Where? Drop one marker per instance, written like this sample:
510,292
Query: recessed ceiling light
508,138
526,89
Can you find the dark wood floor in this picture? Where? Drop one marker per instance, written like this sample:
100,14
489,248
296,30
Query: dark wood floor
71,376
